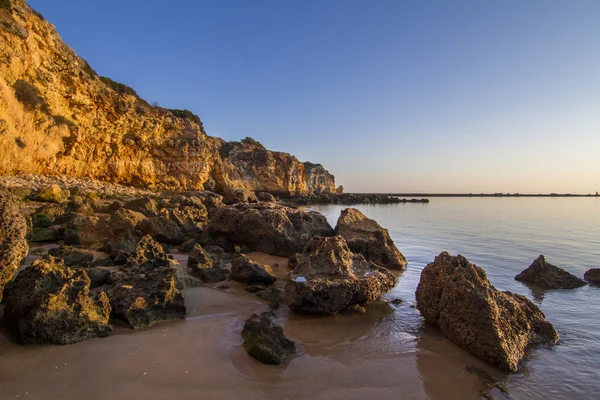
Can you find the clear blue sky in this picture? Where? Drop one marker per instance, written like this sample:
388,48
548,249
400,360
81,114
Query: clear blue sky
403,95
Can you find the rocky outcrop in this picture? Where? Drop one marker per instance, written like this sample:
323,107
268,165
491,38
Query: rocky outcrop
367,237
58,116
50,303
592,275
163,230
87,229
266,341
201,267
329,278
247,271
13,230
544,274
495,326
318,179
73,256
268,228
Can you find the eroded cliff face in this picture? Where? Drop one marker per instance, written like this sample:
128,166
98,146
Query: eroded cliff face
57,116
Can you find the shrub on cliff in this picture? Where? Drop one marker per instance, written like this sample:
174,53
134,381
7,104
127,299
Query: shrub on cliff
186,114
253,142
118,87
28,95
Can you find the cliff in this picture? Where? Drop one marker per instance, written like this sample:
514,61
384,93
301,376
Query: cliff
57,116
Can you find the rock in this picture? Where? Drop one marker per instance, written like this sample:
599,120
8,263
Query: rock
52,194
13,230
268,228
103,262
48,215
87,229
145,205
266,341
125,220
329,278
162,230
318,179
254,288
592,275
367,237
238,195
73,256
549,276
187,246
125,241
266,197
495,326
191,219
339,190
81,205
98,276
222,287
41,221
50,303
272,296
144,299
247,271
201,267
43,235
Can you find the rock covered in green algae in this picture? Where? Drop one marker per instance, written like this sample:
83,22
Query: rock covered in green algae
13,230
265,341
53,194
50,303
495,326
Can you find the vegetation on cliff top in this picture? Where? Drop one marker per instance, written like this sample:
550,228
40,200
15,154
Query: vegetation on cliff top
253,142
118,87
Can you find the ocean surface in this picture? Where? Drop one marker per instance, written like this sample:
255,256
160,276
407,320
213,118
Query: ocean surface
503,236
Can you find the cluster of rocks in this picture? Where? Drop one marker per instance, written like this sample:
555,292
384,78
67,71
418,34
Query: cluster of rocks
349,199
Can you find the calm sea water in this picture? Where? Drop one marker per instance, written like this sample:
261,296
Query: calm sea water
503,236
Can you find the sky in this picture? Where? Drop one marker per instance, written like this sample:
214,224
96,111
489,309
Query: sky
390,96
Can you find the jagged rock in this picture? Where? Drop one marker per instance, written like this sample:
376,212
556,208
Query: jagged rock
272,296
52,194
123,220
144,205
266,341
592,275
43,235
495,326
50,303
87,229
201,267
98,276
247,271
549,276
238,195
266,197
13,230
81,205
268,228
329,278
187,246
318,179
339,190
367,237
48,215
40,221
125,241
73,256
192,219
162,229
144,299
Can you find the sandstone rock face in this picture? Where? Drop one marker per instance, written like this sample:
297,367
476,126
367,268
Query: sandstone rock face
495,326
13,245
247,271
318,179
50,303
59,117
266,341
72,256
367,237
329,278
592,275
549,276
268,228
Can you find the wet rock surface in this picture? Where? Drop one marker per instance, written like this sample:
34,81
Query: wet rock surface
268,228
247,271
265,341
592,275
367,237
495,326
329,278
549,276
50,303
13,231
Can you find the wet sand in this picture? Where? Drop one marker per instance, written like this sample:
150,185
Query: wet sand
384,353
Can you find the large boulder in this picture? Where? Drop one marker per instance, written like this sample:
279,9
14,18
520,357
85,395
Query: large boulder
239,195
191,219
13,230
123,220
544,274
52,194
43,235
162,229
87,229
268,228
266,341
247,271
367,237
329,278
48,215
495,326
73,256
201,266
592,275
144,205
50,303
